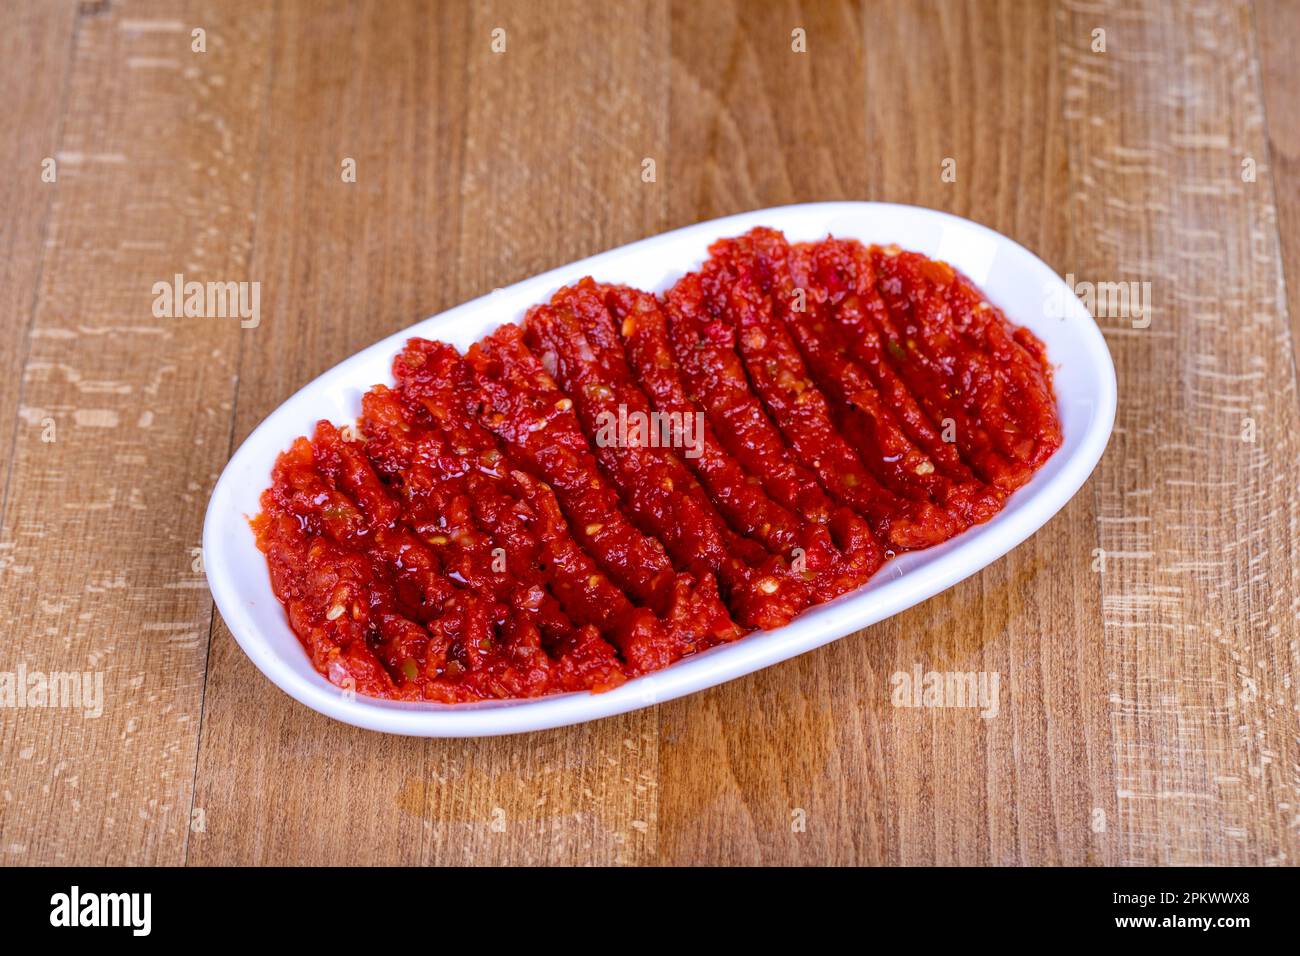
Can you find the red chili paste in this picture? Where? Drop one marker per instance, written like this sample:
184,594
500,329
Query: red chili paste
481,536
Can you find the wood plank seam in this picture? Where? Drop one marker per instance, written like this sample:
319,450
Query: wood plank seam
1268,168
26,333
262,156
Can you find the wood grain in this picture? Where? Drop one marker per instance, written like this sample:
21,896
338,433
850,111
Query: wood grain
337,275
1147,710
40,45
1279,79
1198,494
99,523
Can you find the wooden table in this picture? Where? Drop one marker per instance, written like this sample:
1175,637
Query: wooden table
1148,710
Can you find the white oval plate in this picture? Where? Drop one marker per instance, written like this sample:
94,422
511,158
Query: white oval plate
1012,278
